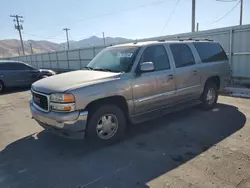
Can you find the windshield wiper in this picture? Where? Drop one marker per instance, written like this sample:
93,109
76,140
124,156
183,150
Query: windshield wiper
108,70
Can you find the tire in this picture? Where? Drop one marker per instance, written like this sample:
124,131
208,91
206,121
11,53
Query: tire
96,123
209,102
1,86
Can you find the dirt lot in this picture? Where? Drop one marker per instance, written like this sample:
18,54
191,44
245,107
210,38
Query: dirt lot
191,148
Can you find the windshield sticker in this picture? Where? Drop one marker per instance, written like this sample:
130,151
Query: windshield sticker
124,55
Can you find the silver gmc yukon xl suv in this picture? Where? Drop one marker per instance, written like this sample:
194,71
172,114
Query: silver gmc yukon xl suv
130,83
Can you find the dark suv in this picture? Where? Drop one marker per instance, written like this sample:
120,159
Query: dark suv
19,74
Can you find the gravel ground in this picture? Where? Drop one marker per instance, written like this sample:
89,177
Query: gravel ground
190,148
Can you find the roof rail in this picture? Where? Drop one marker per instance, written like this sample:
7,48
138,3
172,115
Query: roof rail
161,40
195,39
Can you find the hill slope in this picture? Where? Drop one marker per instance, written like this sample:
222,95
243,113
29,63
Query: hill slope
12,47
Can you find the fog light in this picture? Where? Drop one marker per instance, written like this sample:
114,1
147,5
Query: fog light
62,107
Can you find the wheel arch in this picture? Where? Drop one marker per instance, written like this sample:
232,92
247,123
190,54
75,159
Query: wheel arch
215,79
117,100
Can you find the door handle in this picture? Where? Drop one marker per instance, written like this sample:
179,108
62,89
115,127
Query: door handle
170,76
194,72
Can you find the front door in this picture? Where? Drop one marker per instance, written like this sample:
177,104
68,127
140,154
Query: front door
188,80
153,90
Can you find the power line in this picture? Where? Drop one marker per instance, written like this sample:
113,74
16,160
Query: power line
228,1
168,20
226,13
124,10
44,37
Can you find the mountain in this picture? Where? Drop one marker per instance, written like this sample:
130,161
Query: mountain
12,47
96,41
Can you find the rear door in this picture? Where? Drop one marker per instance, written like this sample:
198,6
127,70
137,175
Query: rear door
187,76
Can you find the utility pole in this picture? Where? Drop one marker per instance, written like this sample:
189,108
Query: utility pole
197,26
18,51
31,49
67,36
19,27
193,16
103,37
241,8
241,11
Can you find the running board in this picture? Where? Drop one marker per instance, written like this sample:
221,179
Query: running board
163,111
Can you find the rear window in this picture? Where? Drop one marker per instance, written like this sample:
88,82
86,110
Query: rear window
210,52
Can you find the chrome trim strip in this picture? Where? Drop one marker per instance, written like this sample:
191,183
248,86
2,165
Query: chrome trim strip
143,99
83,113
38,107
241,53
190,87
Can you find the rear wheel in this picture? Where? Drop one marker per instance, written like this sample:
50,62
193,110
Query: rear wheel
106,124
209,96
1,86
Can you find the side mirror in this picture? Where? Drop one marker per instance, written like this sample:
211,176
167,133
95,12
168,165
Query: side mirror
147,67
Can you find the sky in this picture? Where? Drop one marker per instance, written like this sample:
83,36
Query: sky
45,19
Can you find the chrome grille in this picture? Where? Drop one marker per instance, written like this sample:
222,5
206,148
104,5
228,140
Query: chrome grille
40,100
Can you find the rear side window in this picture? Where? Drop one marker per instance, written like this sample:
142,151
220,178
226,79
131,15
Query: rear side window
158,55
210,52
20,66
183,55
6,66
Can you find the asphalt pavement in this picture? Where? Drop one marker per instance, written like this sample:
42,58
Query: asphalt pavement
190,148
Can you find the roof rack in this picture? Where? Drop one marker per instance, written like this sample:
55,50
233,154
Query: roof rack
161,40
195,39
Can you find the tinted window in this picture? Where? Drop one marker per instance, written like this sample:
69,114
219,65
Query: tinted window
20,66
210,52
5,66
182,55
157,55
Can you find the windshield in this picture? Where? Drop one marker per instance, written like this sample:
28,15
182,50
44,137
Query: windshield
118,59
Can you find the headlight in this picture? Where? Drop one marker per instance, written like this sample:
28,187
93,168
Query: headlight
62,98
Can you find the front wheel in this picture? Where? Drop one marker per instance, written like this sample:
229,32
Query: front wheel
106,124
209,96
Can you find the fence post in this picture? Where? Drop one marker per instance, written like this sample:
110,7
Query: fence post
36,61
231,53
42,61
49,60
31,62
93,52
79,56
67,56
57,64
230,45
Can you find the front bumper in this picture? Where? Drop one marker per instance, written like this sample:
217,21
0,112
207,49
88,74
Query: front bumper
71,125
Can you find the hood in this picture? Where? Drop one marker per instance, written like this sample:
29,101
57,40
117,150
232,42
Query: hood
65,81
